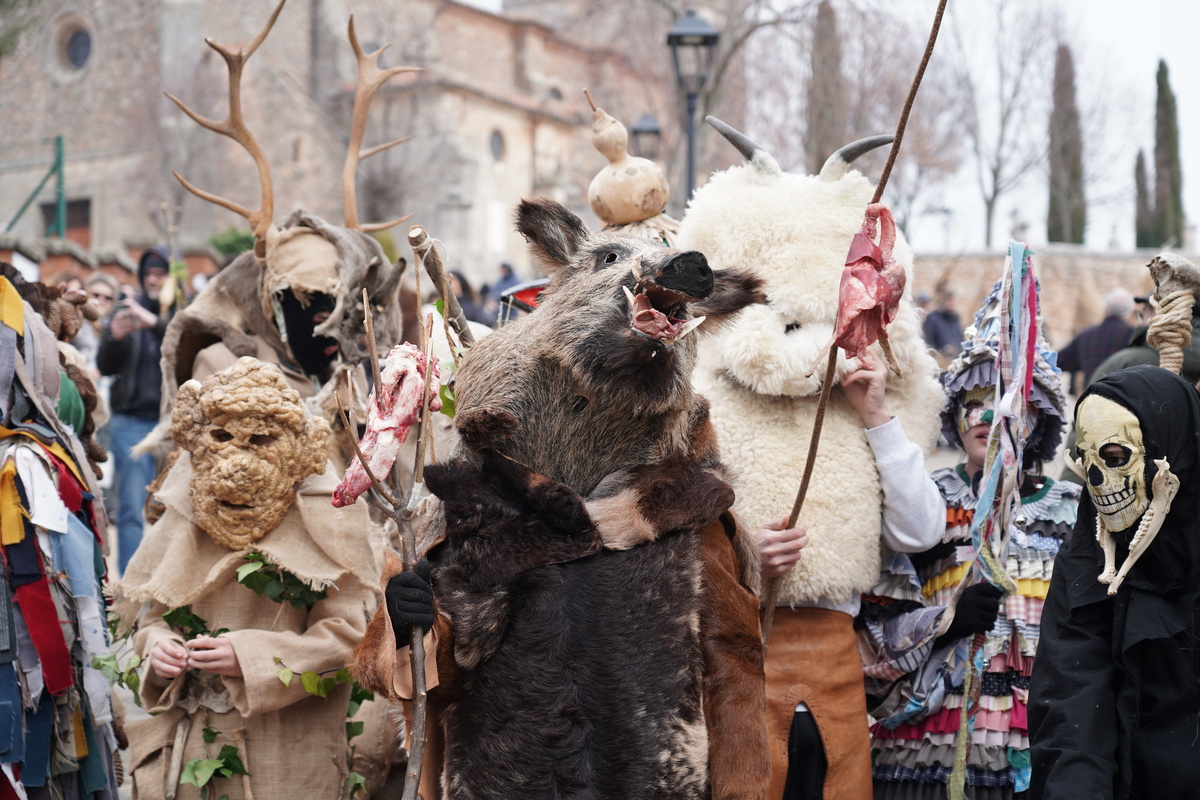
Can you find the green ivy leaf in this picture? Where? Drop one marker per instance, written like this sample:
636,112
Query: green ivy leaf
108,667
232,761
310,681
246,569
199,771
343,676
353,729
440,305
186,622
209,735
285,676
355,783
360,695
448,404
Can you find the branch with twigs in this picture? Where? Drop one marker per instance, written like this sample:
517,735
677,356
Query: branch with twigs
386,492
386,495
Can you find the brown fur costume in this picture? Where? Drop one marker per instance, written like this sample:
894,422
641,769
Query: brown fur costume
566,664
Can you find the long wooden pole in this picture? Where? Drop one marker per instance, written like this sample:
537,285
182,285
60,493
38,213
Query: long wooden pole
771,590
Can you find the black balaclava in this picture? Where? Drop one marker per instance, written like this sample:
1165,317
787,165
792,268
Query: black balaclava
308,350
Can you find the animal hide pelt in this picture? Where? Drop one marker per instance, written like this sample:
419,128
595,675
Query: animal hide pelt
583,671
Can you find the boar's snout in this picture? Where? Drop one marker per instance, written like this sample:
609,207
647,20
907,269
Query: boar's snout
687,273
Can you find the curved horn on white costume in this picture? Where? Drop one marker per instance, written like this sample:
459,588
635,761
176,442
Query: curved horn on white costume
750,150
836,165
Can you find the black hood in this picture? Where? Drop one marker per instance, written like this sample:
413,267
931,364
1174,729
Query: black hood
1165,581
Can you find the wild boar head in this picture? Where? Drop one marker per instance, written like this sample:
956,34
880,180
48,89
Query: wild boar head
599,376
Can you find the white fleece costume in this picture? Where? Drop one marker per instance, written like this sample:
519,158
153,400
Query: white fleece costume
867,487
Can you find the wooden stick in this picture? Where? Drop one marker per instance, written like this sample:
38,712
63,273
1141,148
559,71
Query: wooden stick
372,347
175,764
423,420
239,736
771,590
426,253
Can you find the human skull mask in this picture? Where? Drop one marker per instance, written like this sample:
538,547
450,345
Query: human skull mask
1113,456
251,442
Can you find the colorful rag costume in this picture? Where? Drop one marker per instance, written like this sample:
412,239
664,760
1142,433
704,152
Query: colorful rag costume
1115,695
915,676
914,739
56,712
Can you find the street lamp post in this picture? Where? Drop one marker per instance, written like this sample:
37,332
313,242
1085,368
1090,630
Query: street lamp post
646,134
692,41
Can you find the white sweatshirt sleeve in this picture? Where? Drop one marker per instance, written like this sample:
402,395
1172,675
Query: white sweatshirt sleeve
914,516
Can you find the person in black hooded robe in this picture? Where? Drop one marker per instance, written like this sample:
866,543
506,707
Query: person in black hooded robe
1114,706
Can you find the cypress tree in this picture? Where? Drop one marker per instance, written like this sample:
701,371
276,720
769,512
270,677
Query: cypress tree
1168,175
1067,215
825,114
1146,222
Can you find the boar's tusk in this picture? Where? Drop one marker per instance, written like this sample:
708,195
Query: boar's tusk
628,296
688,327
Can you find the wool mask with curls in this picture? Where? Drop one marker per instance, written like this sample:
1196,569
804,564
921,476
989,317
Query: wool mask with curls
251,443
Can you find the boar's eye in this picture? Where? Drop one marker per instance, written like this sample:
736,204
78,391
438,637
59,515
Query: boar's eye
610,258
792,326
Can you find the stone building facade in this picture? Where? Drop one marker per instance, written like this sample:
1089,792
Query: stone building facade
496,114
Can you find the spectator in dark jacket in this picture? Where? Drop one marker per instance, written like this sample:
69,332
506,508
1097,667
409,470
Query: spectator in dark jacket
130,345
943,328
1089,349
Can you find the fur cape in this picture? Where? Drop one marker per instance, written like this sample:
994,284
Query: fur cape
565,668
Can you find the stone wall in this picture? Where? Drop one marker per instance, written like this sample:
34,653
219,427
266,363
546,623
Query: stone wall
1073,282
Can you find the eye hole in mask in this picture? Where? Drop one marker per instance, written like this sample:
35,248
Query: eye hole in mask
976,408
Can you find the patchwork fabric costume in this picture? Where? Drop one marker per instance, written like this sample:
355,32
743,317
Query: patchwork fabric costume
915,679
56,712
1115,695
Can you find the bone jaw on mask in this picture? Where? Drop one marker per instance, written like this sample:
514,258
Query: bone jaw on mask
1164,486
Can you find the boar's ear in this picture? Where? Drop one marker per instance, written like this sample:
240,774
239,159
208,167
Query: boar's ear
732,291
553,231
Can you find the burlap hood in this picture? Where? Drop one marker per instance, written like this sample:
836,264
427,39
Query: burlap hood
177,562
234,306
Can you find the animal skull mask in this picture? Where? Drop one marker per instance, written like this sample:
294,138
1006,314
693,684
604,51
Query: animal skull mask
251,443
1113,456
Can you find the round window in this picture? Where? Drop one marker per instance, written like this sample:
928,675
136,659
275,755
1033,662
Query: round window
78,48
71,45
497,143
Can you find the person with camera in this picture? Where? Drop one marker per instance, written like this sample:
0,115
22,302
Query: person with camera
130,349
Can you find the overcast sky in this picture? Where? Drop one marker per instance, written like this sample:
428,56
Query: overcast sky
1116,45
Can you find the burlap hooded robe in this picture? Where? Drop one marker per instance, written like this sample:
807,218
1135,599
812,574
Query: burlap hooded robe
295,743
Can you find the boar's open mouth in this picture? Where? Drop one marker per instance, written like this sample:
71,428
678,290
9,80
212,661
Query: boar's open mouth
653,310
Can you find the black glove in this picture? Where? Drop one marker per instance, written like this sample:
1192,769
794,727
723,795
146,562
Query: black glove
976,612
409,597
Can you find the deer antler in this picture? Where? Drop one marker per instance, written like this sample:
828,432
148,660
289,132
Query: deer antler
370,78
235,128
